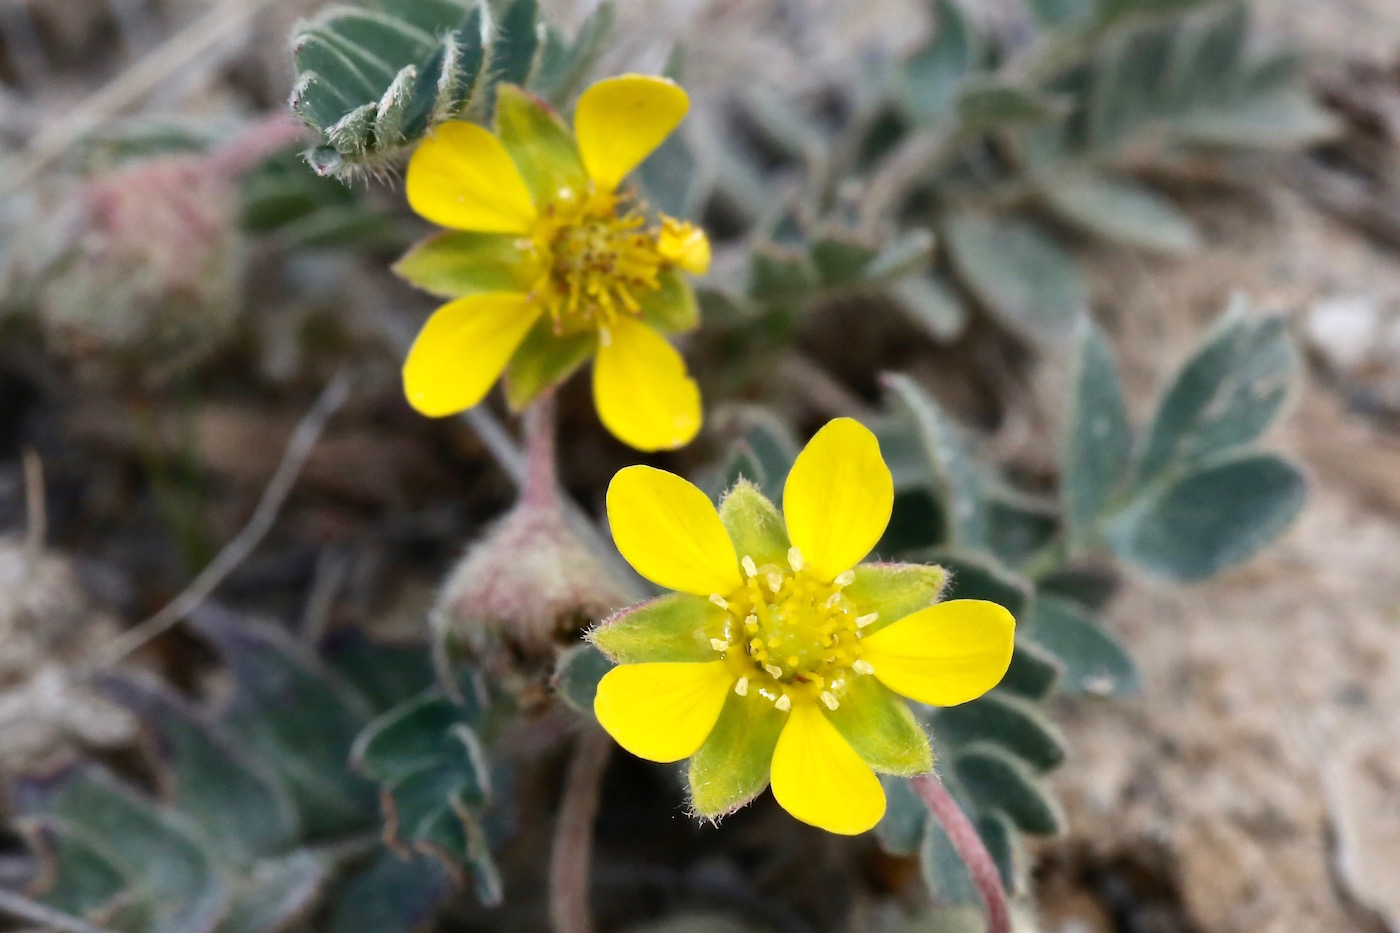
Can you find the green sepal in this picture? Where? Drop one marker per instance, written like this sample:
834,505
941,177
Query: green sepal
732,767
677,627
539,144
755,525
880,727
458,263
894,591
544,360
671,308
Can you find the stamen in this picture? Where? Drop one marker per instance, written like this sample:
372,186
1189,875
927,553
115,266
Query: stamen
863,666
794,559
719,600
784,703
604,337
774,671
775,581
719,644
845,578
863,621
832,600
829,699
749,568
741,686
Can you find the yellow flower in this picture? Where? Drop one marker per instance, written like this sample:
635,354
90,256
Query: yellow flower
552,263
780,656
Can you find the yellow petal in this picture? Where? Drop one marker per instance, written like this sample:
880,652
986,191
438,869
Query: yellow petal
670,533
463,348
819,778
462,177
619,121
662,711
838,497
644,395
685,245
946,654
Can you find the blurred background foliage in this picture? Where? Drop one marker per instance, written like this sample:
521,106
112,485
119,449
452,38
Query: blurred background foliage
939,208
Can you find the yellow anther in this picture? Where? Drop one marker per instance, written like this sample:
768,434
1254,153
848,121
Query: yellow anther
863,621
784,703
774,671
792,660
845,578
829,699
794,557
719,600
750,569
862,666
775,581
719,644
832,600
741,686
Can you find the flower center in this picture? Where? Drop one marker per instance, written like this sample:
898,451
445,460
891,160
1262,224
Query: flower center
596,258
789,635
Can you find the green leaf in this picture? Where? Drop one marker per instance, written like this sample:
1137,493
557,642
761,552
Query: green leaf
458,779
242,810
372,81
1019,526
841,259
159,854
944,872
779,273
1226,395
1061,12
978,576
577,674
1006,720
928,301
1019,273
1091,660
1098,450
894,591
405,739
1209,520
901,829
987,104
1119,210
762,455
293,712
951,470
454,264
754,525
517,42
907,253
83,878
879,725
732,766
675,627
931,77
997,780
276,894
391,895
1033,673
562,64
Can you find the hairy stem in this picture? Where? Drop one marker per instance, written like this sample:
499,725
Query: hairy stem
969,847
571,854
541,486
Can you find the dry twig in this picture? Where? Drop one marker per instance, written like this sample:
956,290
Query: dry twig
299,448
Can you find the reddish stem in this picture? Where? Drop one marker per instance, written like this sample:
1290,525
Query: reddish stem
969,847
571,854
541,489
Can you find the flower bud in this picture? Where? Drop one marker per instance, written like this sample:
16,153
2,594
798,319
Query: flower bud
143,267
526,587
